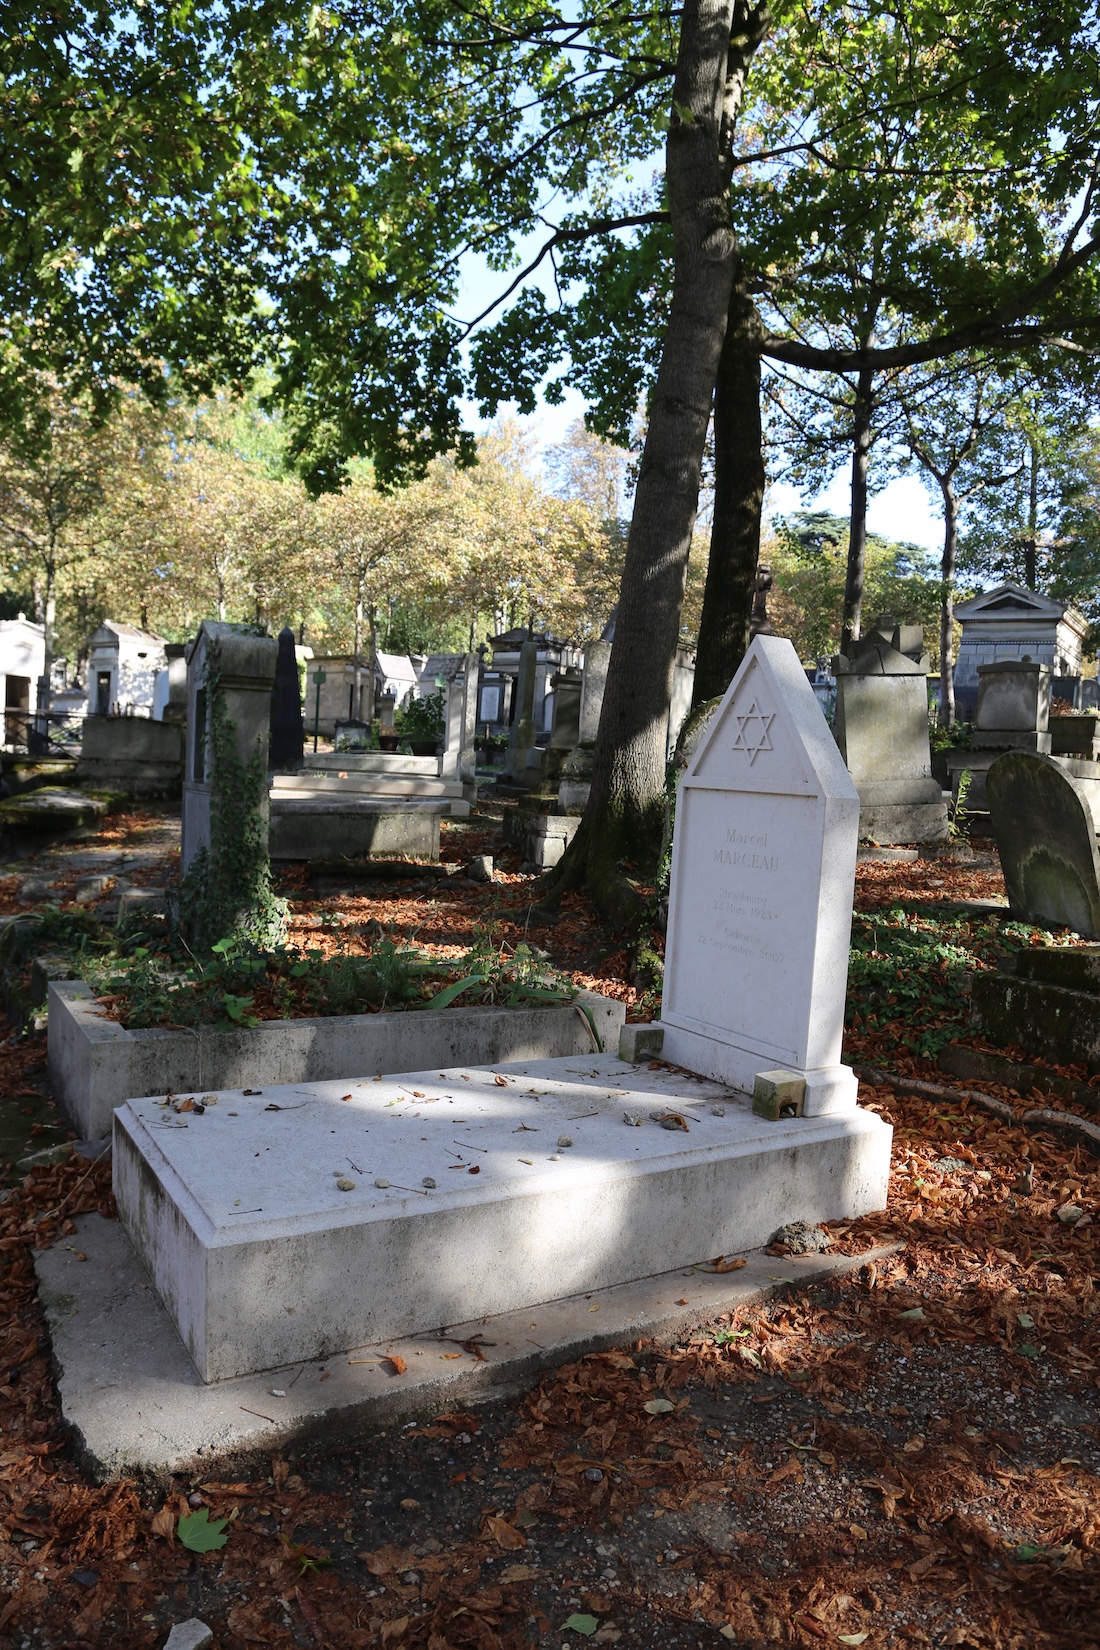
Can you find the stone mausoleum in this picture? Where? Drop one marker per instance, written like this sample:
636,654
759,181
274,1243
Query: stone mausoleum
123,665
22,661
1013,623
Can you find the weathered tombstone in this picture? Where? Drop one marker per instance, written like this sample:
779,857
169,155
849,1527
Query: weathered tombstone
760,905
459,759
175,705
1013,706
524,761
1043,827
287,727
576,773
565,727
683,686
881,728
229,675
597,658
1013,711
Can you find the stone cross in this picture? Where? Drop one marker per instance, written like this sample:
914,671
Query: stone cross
760,904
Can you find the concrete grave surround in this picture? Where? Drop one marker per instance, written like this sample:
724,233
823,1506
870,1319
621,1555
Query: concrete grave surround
1043,825
134,754
262,1258
760,905
1049,1006
134,1404
307,825
95,1063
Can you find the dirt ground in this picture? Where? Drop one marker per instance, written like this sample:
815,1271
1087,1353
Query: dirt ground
909,1456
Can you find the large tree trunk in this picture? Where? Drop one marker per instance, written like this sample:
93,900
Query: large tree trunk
357,651
857,530
366,712
947,602
625,813
1031,546
738,498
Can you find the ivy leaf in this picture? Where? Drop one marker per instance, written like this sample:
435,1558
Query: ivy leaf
581,1624
199,1533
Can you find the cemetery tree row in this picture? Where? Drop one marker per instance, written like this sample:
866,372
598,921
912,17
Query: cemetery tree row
898,194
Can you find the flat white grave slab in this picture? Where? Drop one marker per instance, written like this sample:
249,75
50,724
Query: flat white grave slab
262,1259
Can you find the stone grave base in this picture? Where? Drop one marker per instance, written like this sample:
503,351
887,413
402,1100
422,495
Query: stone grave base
320,827
904,822
296,1223
828,1088
134,1404
541,838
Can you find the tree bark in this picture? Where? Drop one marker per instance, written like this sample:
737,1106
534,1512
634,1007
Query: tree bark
1031,546
357,649
738,498
947,601
624,817
857,531
372,633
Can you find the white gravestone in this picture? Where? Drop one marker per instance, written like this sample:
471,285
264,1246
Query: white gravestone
760,906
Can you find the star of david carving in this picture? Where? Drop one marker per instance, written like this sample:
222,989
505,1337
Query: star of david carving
752,731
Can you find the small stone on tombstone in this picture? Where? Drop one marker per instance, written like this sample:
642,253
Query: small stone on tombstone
1043,827
35,888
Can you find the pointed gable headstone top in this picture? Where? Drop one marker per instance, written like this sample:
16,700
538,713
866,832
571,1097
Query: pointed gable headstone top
760,903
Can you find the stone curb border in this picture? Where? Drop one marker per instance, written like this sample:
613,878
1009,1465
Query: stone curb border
1075,1131
135,1404
95,1064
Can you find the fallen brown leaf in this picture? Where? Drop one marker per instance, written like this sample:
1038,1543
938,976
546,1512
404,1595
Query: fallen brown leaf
504,1534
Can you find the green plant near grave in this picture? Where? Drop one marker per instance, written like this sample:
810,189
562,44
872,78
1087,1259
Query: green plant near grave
908,972
227,892
960,821
76,934
240,983
421,718
489,974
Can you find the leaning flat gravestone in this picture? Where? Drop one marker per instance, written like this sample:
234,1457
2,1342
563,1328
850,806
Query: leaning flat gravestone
1043,827
760,906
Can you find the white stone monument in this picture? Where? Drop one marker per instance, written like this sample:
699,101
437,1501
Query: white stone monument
760,907
458,760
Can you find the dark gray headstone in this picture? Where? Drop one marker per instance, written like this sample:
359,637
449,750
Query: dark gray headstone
287,727
1043,827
